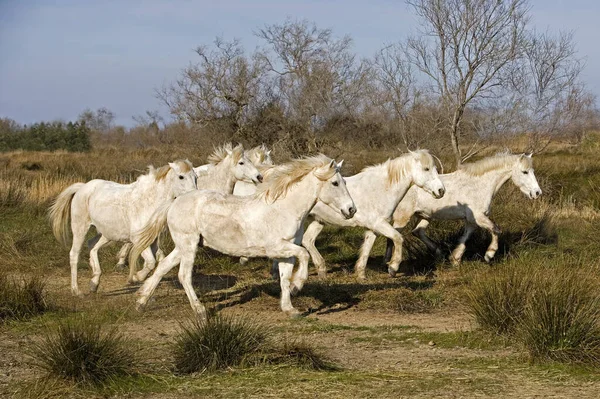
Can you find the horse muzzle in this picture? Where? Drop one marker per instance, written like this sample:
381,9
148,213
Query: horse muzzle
349,214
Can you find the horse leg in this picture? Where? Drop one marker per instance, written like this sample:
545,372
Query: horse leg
285,252
95,263
419,231
301,275
286,267
385,229
186,267
160,255
79,229
308,242
365,250
149,264
275,269
401,219
486,223
456,255
122,256
147,289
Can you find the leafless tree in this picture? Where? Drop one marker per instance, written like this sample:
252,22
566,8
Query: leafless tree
547,81
102,120
464,50
224,84
314,75
396,91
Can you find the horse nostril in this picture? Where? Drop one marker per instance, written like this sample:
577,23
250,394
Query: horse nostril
442,192
259,178
352,210
538,193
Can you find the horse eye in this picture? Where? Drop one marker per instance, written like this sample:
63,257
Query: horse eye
241,163
426,169
525,172
180,177
335,183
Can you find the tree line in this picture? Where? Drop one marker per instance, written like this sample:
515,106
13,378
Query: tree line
44,136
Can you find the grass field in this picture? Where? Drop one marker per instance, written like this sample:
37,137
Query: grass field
410,336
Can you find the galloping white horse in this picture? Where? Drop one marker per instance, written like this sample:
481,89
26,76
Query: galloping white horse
228,166
377,190
469,194
260,225
116,210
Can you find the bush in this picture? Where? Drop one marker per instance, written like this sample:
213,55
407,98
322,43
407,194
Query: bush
21,301
562,320
552,310
81,351
218,343
498,299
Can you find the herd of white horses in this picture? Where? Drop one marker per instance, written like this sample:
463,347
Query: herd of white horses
242,205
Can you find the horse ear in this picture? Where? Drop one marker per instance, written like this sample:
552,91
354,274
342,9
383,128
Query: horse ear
229,152
332,164
173,165
339,165
529,154
268,152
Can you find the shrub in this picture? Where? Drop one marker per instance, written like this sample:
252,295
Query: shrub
81,351
498,299
218,343
21,301
562,320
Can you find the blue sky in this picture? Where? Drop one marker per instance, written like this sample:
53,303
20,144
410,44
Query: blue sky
60,57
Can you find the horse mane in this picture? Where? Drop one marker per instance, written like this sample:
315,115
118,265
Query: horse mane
222,152
160,173
258,154
501,160
397,168
280,178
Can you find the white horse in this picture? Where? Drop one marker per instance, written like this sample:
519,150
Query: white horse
469,194
260,225
116,210
228,166
260,156
377,190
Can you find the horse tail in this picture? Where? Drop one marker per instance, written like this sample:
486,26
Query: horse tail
60,213
144,237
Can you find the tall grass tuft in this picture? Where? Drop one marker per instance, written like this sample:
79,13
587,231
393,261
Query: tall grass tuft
562,320
218,343
498,299
23,300
81,351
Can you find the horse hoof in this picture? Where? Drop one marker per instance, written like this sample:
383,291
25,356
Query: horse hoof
243,261
120,267
140,307
488,258
294,290
77,293
392,272
93,287
293,313
361,277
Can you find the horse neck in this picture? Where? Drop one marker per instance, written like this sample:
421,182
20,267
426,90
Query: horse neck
219,178
492,181
151,192
302,197
378,183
